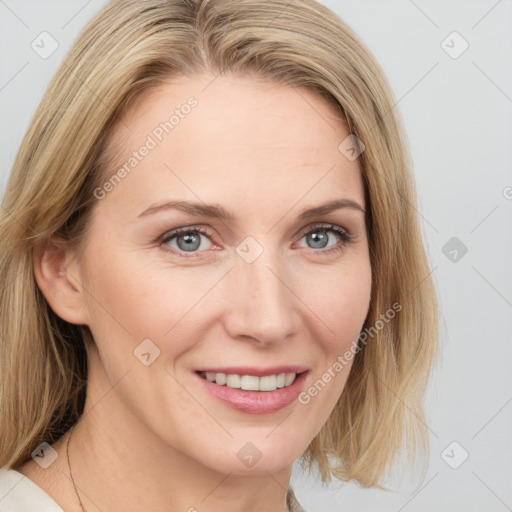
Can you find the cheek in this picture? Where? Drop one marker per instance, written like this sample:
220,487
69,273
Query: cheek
340,300
340,312
139,301
134,296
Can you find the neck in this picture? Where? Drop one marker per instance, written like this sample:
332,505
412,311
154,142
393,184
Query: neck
110,445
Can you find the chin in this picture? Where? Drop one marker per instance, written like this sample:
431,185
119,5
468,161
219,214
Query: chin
255,457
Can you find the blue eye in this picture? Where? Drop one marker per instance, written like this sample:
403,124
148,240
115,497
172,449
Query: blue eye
189,239
319,237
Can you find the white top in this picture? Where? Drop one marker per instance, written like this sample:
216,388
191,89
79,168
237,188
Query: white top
19,494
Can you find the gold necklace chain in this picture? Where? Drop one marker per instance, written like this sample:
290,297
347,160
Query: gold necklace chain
71,474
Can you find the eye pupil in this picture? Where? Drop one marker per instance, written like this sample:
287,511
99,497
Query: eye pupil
319,236
192,242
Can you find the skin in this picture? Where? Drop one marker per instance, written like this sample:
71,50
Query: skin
151,435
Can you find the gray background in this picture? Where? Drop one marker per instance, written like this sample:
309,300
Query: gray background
458,116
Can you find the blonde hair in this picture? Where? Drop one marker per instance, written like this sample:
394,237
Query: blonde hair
130,47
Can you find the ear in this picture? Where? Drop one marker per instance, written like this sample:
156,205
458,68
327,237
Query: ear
58,276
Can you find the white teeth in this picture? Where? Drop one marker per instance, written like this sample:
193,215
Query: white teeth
251,382
290,377
233,381
268,383
220,378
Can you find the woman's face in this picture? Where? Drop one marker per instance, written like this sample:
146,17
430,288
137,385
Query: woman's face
266,289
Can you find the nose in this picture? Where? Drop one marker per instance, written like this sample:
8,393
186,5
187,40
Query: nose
261,301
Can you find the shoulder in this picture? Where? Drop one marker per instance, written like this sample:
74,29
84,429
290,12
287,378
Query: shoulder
19,494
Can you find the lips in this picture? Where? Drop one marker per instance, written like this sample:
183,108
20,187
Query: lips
255,402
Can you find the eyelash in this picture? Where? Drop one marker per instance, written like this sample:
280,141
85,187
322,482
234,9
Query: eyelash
346,237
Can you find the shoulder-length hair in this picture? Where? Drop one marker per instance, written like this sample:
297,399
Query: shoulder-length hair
132,46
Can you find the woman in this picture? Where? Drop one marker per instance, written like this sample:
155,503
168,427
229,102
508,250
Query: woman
213,266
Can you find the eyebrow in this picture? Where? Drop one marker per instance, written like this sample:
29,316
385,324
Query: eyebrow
218,212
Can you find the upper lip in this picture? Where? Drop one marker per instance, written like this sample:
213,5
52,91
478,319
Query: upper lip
257,372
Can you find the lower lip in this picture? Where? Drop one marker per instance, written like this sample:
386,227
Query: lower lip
256,402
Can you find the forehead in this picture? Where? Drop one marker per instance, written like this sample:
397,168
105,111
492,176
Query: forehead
249,138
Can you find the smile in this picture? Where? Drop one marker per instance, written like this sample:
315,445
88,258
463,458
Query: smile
253,394
250,382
